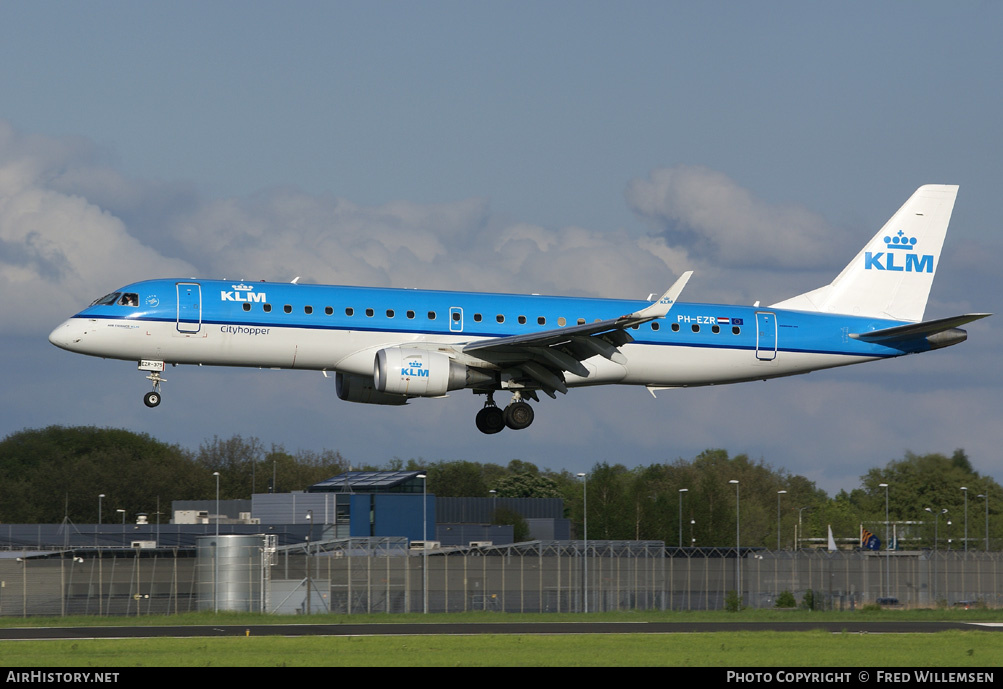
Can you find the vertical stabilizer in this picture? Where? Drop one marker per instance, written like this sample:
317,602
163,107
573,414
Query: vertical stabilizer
892,275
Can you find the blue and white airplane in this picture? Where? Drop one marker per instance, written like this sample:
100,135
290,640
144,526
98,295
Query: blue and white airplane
387,346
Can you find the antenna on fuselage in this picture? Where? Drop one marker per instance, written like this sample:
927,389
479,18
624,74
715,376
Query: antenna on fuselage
296,279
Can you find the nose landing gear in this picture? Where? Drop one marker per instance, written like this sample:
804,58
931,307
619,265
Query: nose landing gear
152,399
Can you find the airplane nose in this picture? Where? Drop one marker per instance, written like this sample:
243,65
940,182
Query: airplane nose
66,335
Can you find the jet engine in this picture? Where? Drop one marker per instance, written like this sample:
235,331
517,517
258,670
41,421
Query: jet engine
353,388
422,373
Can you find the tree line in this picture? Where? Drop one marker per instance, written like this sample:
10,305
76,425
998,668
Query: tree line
56,473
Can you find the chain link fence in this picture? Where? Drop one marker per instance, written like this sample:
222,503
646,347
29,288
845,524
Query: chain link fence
357,576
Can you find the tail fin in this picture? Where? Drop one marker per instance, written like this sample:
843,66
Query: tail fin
892,275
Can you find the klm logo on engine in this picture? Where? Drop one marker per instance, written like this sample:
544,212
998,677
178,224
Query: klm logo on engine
242,292
898,256
414,369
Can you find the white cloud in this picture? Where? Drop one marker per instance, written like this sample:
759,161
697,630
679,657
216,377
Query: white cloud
721,222
58,251
460,245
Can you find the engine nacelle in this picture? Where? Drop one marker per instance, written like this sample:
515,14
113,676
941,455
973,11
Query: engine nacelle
353,388
421,373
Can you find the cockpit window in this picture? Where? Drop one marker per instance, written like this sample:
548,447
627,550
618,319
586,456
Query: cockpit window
107,299
129,299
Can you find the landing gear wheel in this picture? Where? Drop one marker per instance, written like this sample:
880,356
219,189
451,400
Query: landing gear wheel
518,415
490,420
151,399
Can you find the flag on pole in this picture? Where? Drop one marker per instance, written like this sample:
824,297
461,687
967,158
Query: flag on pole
868,540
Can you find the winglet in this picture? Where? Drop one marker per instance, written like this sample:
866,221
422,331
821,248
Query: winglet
661,307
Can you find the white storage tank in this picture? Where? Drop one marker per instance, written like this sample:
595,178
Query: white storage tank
229,572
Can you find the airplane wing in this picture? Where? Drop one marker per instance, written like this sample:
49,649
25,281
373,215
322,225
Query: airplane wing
912,331
544,357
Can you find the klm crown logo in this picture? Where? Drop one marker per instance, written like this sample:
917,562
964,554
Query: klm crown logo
900,241
890,260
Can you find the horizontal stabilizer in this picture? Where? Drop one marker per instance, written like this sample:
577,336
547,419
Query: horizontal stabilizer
912,331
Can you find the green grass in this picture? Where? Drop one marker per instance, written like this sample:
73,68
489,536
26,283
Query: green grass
723,649
727,649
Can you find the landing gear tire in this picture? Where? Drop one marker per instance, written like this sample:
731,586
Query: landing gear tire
518,415
490,420
151,399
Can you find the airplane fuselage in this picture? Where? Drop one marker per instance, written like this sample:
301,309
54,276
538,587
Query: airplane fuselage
339,329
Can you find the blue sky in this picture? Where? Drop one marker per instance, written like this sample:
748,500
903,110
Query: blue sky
555,147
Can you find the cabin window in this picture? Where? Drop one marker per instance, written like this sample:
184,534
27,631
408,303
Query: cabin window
328,310
287,308
370,313
654,326
267,308
349,311
247,307
736,330
715,329
581,321
561,322
675,327
390,313
477,318
695,328
522,320
308,310
431,315
410,314
541,321
500,318
456,316
129,299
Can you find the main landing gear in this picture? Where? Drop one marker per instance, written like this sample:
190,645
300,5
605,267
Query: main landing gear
517,415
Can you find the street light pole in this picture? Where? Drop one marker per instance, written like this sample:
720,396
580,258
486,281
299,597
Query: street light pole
424,542
216,474
681,491
309,543
99,508
738,540
964,489
888,543
585,526
779,493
